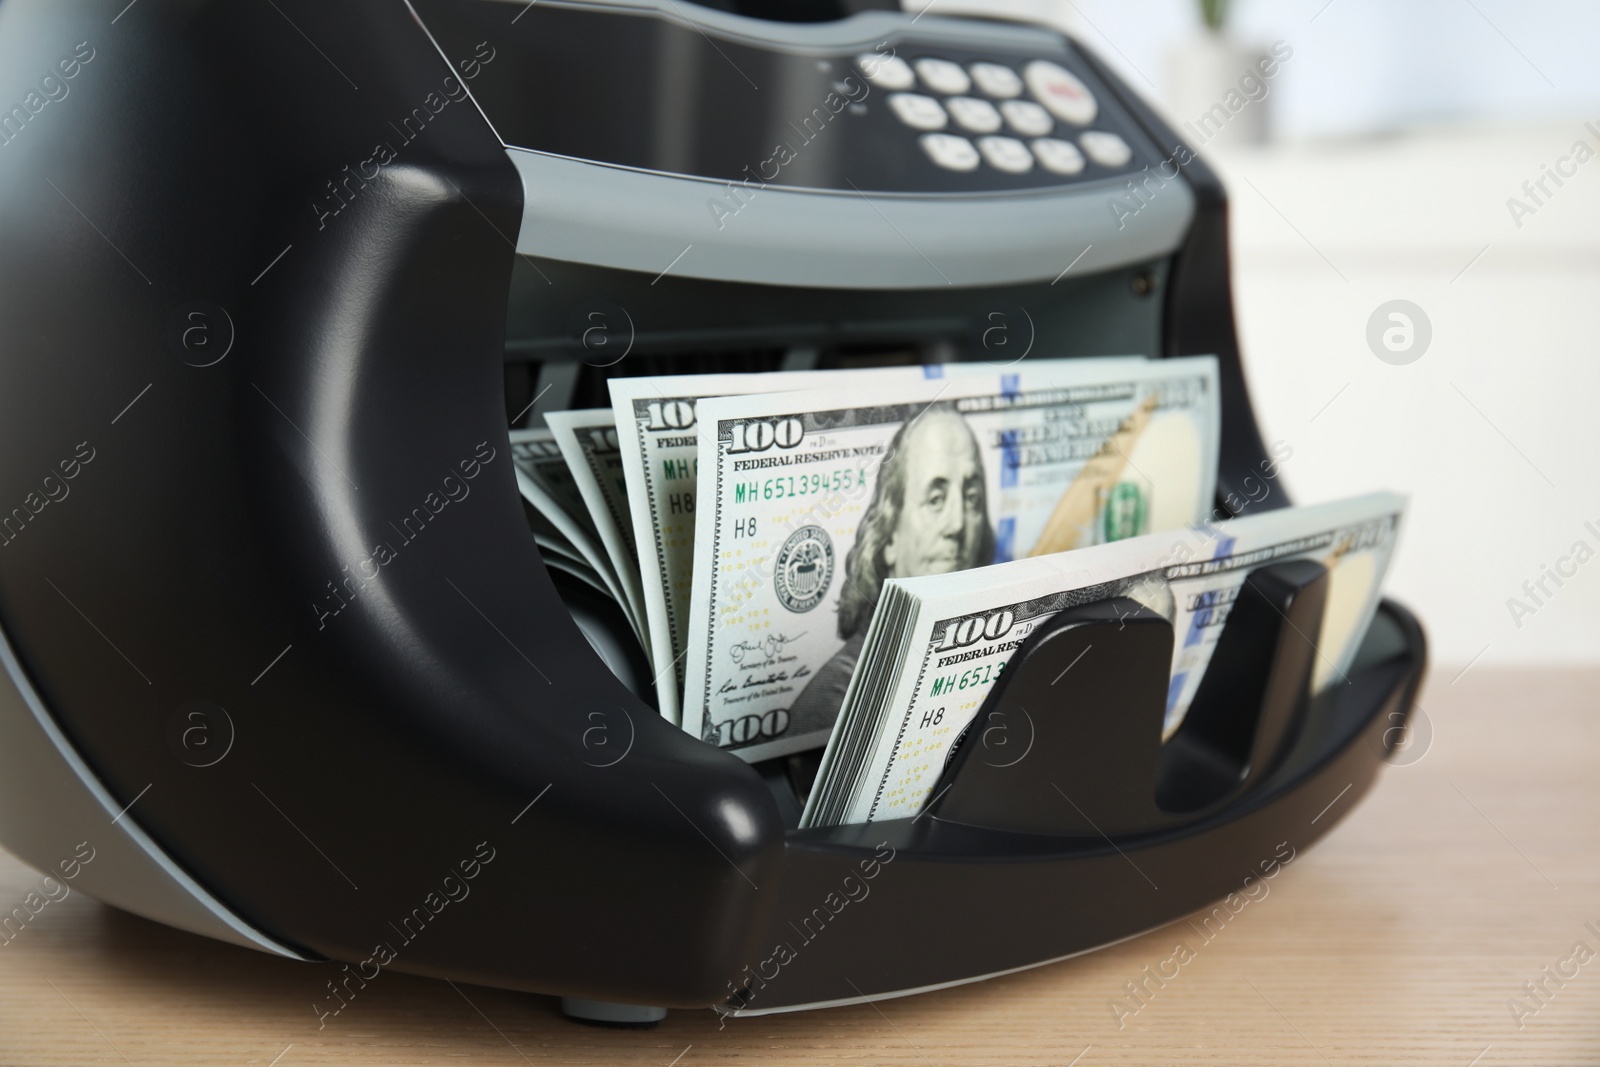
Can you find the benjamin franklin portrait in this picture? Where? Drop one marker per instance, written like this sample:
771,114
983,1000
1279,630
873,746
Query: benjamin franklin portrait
929,515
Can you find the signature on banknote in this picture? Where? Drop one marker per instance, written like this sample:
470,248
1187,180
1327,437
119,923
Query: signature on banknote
764,649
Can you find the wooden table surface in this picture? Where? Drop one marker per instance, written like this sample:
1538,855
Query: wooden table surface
1404,937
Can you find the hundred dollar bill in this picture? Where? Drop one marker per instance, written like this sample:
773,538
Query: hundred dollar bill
659,437
546,482
938,645
588,441
811,501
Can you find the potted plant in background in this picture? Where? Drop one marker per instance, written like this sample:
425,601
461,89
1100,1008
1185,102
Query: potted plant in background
1209,76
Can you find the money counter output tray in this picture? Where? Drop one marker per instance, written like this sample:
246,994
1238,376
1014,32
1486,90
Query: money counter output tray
305,309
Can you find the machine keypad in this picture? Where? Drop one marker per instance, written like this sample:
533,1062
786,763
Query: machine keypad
973,114
1106,149
943,76
918,111
886,72
1007,154
1043,104
997,81
1058,156
1059,90
950,152
1027,118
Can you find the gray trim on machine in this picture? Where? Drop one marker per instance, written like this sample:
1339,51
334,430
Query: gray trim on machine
664,224
50,802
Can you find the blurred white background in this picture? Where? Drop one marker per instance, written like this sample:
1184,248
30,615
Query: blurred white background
1399,132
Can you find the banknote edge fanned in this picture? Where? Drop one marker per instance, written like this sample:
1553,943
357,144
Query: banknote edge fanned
668,699
596,562
661,562
581,517
600,564
624,558
857,711
883,700
711,575
869,674
627,567
625,529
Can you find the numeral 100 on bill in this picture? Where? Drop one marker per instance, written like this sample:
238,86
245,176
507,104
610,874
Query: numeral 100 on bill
964,632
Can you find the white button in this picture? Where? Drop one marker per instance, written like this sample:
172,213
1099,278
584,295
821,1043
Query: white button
1002,83
886,72
949,151
1060,90
1062,157
1106,149
918,111
1007,154
943,76
1026,117
979,116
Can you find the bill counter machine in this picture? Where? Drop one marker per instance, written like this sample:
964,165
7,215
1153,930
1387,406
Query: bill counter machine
271,273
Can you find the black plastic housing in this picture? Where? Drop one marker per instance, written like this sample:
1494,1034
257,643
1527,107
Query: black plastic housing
400,712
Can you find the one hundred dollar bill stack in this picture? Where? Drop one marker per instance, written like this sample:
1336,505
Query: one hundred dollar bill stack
938,644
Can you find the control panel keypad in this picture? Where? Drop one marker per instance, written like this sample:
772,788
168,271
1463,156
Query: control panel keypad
918,111
1107,149
973,114
943,76
1007,154
1027,118
1059,90
1058,156
994,80
950,152
1032,113
886,72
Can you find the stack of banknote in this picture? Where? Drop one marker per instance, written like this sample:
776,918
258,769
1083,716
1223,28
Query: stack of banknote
938,644
793,550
